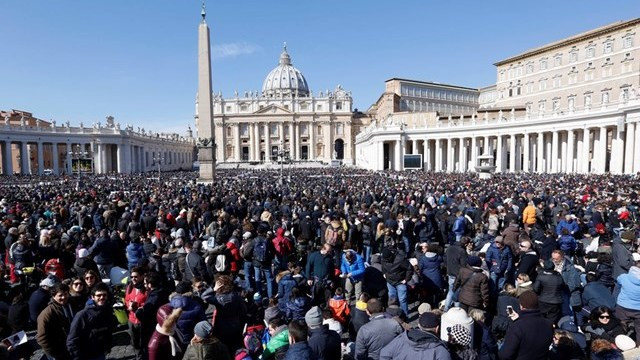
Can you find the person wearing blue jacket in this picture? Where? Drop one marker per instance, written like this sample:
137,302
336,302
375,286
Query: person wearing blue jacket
628,304
567,242
135,253
459,226
569,224
500,262
352,269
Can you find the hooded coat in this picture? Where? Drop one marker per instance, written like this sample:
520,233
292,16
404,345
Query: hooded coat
415,344
91,330
163,345
629,297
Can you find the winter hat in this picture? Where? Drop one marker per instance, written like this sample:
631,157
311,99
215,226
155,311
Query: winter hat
83,253
548,265
474,261
313,317
257,298
272,313
203,329
567,323
624,343
424,308
628,235
183,287
528,300
246,235
428,320
459,334
499,240
49,281
600,229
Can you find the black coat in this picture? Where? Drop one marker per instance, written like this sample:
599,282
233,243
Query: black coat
528,264
455,258
549,286
91,332
519,342
324,343
395,266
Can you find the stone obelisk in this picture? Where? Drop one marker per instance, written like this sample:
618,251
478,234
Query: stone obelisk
206,129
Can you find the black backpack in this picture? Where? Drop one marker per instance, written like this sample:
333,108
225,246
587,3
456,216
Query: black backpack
260,249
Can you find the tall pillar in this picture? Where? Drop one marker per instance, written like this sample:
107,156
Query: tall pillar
512,153
238,142
485,146
499,153
40,158
474,153
450,156
380,163
586,139
462,151
526,167
398,156
414,147
68,163
540,156
312,141
617,151
105,165
292,141
267,143
427,155
562,167
570,168
438,162
580,156
296,140
121,157
629,146
206,129
636,151
554,151
7,158
24,158
602,150
55,157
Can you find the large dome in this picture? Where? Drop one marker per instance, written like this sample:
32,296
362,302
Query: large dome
285,80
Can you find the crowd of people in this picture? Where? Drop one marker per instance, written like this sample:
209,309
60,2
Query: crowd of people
328,264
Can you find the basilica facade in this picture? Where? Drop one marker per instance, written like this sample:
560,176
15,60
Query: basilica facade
286,117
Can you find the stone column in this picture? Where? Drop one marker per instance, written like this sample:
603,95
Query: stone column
312,141
292,140
485,146
450,155
54,150
69,168
414,147
427,155
281,135
106,159
563,152
526,167
499,167
24,158
629,146
380,163
602,151
540,156
7,158
554,151
570,168
438,162
238,142
296,128
398,155
474,153
512,153
40,158
267,143
585,151
636,151
462,154
617,151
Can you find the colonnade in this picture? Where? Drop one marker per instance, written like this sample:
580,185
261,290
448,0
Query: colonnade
604,148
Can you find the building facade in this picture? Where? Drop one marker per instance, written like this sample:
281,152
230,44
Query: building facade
569,106
286,116
32,146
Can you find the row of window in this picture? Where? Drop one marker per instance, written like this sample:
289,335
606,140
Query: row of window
424,106
275,133
414,91
556,60
572,78
303,107
587,100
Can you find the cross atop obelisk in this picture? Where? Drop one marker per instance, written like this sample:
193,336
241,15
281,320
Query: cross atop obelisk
205,125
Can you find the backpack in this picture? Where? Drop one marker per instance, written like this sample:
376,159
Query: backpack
222,264
252,340
260,249
53,266
331,236
283,246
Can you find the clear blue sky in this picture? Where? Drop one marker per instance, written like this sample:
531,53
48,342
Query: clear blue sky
136,60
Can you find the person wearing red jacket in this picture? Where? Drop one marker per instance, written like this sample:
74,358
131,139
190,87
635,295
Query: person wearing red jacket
232,246
135,296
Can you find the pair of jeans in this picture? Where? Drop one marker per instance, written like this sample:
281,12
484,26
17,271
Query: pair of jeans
268,276
366,252
449,299
248,279
496,283
399,292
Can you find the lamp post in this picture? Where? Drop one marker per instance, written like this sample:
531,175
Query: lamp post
158,159
79,154
282,155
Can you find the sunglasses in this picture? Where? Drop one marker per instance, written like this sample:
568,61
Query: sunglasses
89,277
100,295
77,284
605,317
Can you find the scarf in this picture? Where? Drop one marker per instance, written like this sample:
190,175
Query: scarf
175,347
